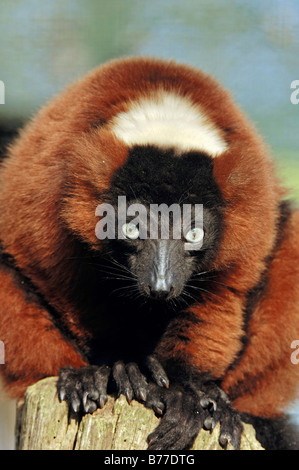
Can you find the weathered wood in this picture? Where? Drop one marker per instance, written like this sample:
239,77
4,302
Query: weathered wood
45,424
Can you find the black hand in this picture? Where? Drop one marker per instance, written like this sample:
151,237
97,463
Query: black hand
186,410
222,411
83,389
132,383
182,419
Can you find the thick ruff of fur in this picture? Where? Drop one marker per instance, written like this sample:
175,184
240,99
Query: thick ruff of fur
168,121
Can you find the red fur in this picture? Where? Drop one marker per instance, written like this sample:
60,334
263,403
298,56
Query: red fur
70,141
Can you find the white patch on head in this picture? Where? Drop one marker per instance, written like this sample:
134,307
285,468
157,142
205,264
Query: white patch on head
168,120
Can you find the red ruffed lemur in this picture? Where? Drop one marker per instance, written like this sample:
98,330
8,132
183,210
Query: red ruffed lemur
200,334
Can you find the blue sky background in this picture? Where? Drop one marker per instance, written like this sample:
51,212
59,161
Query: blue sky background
252,47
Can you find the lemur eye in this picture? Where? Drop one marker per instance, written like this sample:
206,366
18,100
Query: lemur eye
195,235
130,231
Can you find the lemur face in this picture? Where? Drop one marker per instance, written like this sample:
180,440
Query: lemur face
179,222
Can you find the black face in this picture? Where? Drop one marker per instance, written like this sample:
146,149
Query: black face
163,255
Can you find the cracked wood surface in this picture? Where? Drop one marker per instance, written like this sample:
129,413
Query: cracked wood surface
45,424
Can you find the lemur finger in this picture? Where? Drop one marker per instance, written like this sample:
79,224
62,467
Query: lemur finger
69,387
230,429
101,377
208,403
137,380
157,371
155,399
74,401
89,391
209,398
209,423
122,380
89,405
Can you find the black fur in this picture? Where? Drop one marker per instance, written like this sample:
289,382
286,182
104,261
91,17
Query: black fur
156,175
275,433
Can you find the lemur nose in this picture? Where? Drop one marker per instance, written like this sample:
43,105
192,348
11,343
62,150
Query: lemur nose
159,294
160,288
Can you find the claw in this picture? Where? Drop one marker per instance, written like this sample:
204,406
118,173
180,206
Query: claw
75,404
158,411
89,396
90,407
151,440
129,396
209,423
103,400
61,395
157,371
84,399
164,383
207,402
142,394
225,439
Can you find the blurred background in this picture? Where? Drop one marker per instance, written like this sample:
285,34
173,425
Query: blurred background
252,47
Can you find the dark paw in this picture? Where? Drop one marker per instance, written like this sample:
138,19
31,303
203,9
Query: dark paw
182,418
84,389
215,400
132,383
185,411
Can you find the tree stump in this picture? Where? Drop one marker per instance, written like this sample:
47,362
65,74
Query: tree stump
43,423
